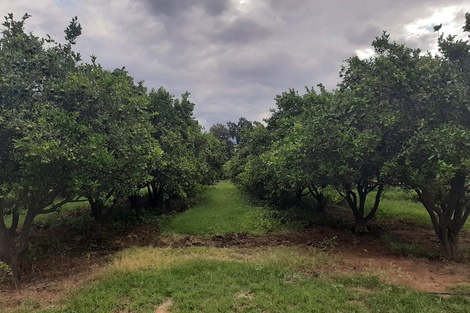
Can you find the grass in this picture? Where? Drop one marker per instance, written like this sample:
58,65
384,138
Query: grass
264,279
396,205
409,249
202,280
236,280
222,210
54,217
400,205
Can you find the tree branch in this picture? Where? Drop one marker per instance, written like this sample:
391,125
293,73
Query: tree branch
429,206
15,221
2,217
376,203
54,207
340,193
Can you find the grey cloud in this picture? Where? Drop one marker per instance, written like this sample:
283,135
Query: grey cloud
243,30
363,35
233,59
174,8
267,70
288,5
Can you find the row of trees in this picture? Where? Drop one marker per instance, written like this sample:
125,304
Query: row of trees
72,131
398,118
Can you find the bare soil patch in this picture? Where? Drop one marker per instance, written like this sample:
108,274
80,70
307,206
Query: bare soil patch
164,307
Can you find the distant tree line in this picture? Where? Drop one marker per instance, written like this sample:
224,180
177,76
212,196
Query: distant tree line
398,118
233,134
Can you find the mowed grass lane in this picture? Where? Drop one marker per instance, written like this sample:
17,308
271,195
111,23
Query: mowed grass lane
222,209
274,280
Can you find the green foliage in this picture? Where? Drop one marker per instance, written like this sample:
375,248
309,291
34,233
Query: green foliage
4,269
35,168
255,143
110,141
398,118
237,131
190,158
434,158
222,133
70,131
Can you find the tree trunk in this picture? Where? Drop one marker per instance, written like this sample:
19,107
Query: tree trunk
7,236
150,194
101,213
6,250
321,203
357,204
98,216
9,257
360,226
449,244
448,215
319,196
155,192
13,246
136,205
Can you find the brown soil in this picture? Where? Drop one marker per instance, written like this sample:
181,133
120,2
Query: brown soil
60,268
164,307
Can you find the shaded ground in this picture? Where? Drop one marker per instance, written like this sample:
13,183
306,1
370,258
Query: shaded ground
59,270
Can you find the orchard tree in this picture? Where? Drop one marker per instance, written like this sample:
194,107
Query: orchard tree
330,138
245,168
174,128
292,158
423,109
290,106
35,169
258,163
236,130
110,139
377,109
435,164
211,157
190,159
435,159
221,132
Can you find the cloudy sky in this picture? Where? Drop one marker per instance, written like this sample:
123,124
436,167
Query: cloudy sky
234,56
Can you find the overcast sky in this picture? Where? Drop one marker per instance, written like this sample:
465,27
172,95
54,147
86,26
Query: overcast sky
235,56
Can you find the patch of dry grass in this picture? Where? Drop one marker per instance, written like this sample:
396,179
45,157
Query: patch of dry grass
148,258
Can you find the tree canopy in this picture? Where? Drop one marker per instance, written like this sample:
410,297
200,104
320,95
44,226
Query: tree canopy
73,131
398,118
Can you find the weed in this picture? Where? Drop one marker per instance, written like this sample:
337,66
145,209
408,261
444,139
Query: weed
5,271
409,249
328,243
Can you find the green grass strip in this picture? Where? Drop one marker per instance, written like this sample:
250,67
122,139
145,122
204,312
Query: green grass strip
222,209
227,286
